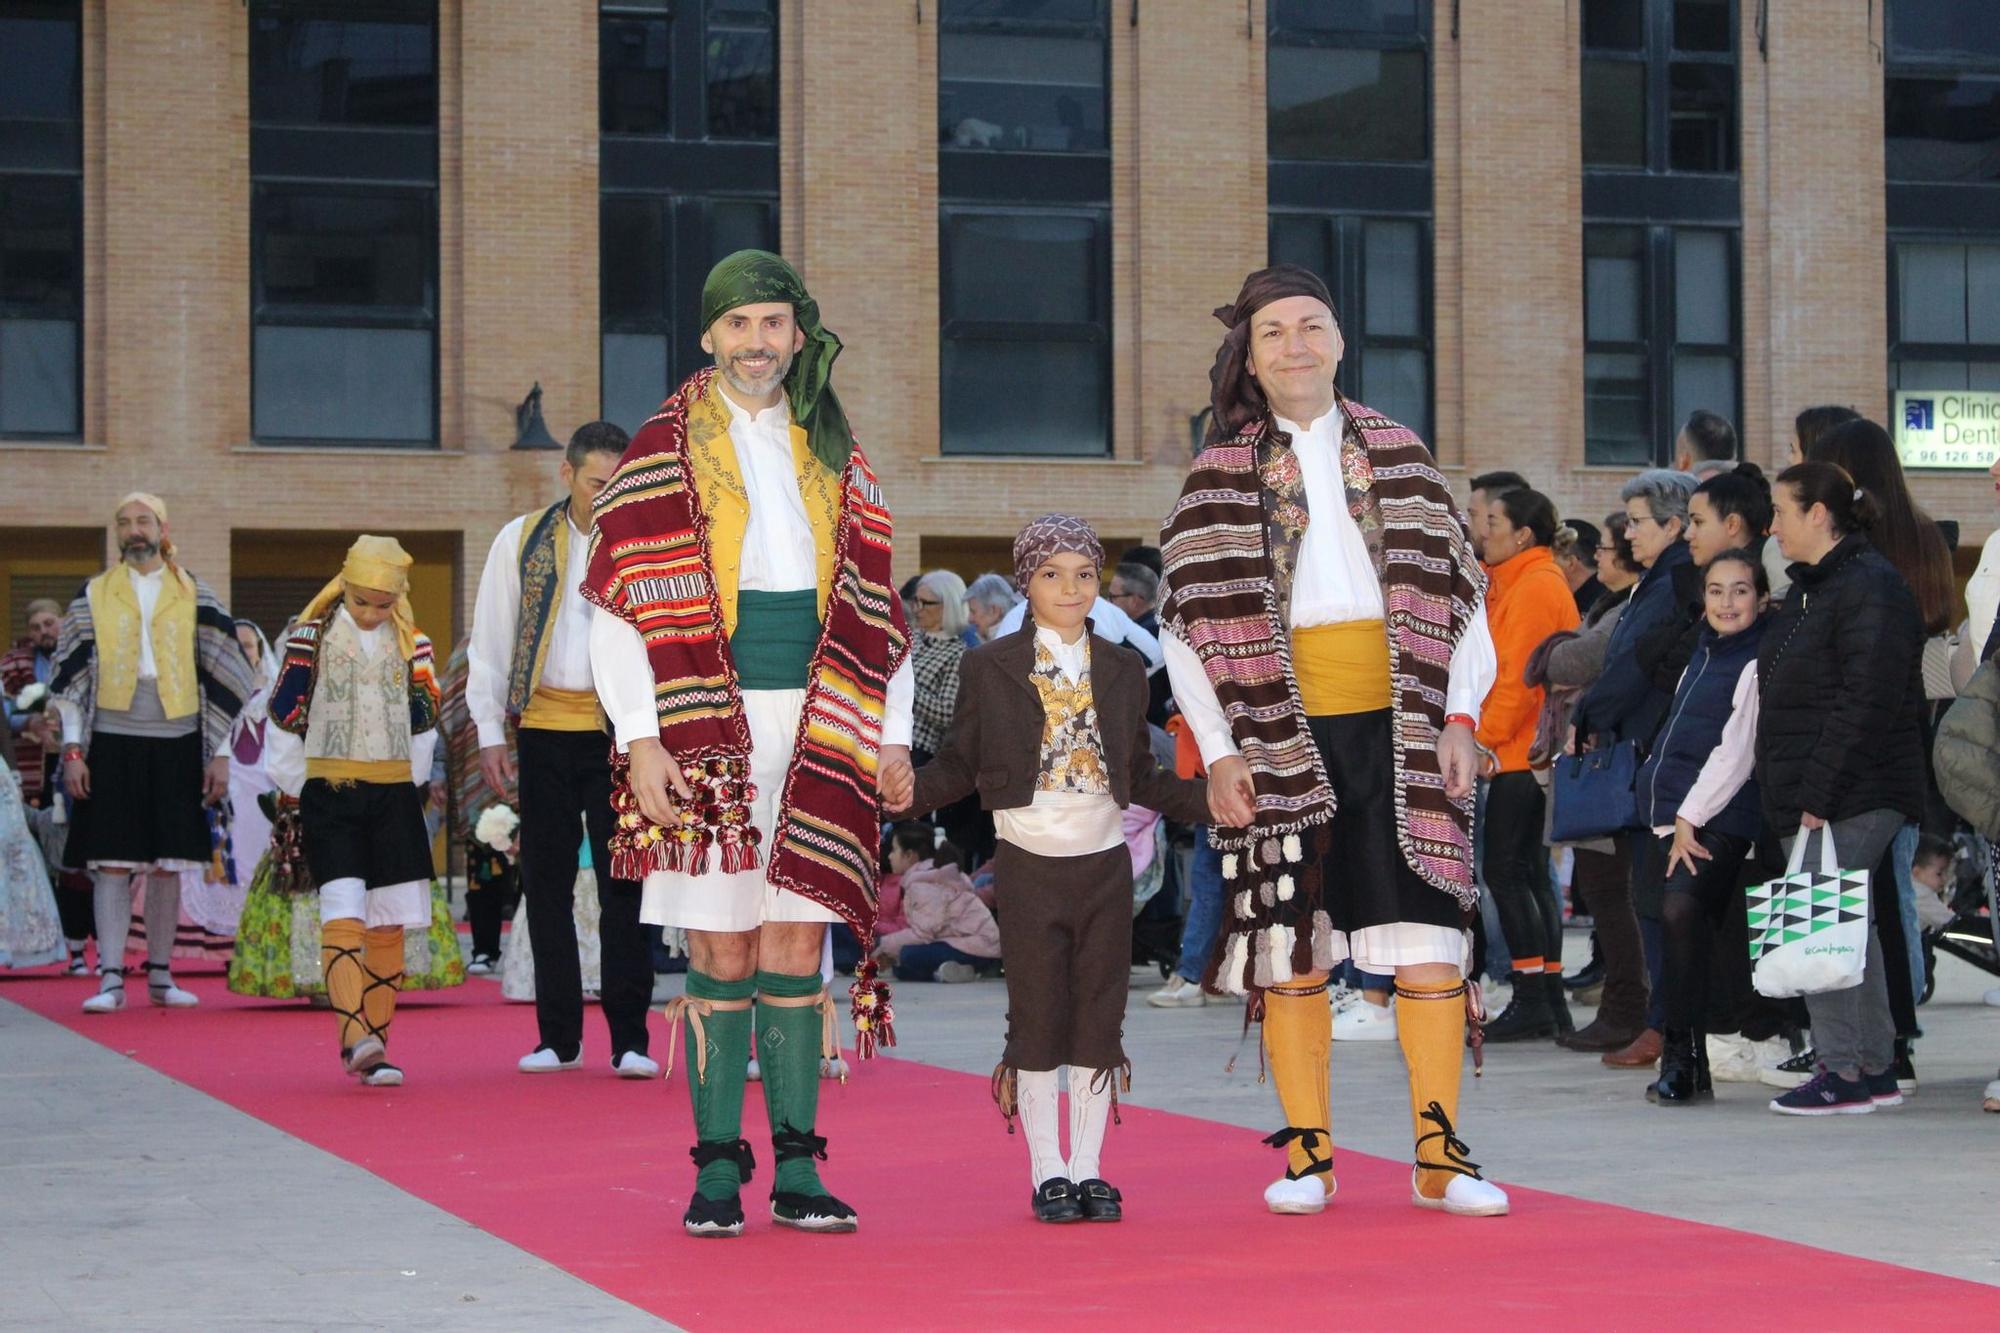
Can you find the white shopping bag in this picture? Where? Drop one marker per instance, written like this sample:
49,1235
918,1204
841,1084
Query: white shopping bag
1809,929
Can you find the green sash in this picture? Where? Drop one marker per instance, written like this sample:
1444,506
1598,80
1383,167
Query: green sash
776,633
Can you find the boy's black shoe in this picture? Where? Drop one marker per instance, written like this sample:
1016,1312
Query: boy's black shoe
1101,1201
1057,1201
812,1212
706,1217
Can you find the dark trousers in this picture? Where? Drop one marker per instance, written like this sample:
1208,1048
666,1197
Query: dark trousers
920,962
1517,869
486,909
1693,905
1885,901
1605,881
1649,873
566,777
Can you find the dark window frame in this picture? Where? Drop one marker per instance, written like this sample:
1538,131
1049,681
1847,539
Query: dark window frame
51,148
1658,325
1900,349
1421,40
1021,182
357,161
1658,55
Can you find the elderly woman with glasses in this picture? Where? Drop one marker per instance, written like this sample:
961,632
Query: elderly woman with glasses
935,652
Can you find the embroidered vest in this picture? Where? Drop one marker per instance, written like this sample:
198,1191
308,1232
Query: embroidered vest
117,623
1072,747
359,726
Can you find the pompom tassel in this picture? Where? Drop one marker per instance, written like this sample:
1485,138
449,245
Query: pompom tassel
874,1015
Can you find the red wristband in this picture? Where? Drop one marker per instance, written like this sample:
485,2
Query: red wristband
1461,718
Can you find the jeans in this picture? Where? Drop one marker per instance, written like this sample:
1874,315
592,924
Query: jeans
1204,910
1903,854
920,962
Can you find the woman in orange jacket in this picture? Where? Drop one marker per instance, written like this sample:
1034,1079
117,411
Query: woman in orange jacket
1527,599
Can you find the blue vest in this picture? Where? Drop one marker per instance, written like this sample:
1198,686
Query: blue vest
1701,708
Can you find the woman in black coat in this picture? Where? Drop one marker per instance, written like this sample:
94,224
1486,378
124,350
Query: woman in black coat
1839,746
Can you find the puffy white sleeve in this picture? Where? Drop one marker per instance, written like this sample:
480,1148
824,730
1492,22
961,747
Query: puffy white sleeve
896,706
1475,665
489,652
423,752
285,759
624,678
1195,697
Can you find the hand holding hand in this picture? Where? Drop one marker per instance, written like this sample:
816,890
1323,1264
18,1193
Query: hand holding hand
1458,759
896,778
497,767
1232,796
656,780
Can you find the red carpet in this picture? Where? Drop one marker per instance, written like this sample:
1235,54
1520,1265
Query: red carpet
591,1174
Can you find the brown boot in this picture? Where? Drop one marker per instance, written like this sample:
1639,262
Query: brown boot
1599,1035
1643,1053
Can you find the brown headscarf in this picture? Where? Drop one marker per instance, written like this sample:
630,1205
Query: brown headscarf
1234,393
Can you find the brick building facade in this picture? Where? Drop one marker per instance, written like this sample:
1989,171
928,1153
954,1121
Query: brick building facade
170,156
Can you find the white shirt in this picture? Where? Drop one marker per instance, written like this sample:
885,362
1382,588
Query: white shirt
778,539
1335,583
1063,823
489,656
147,586
777,556
1108,621
1730,763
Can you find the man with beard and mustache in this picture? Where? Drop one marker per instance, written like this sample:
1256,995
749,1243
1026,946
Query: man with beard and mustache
148,678
749,649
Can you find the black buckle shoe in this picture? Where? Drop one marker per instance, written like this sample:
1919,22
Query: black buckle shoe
1101,1201
1057,1201
712,1218
812,1212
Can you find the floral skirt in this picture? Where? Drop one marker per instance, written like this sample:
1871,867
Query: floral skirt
277,944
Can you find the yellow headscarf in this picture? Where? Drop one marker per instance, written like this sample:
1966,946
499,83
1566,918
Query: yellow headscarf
382,565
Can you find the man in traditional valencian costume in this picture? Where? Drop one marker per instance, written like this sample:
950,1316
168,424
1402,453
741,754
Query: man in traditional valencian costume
750,653
1328,644
528,682
148,678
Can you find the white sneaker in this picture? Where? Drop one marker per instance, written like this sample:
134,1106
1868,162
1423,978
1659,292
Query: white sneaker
1363,1021
171,996
1733,1058
1464,1197
1305,1195
480,966
1342,997
1992,997
542,1060
633,1065
364,1056
383,1076
956,974
1178,993
107,1001
1991,1097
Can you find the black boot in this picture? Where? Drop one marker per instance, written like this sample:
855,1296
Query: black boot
1527,1014
1558,1005
1704,1083
1683,1072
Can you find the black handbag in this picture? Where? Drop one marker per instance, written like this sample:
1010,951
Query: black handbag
1594,794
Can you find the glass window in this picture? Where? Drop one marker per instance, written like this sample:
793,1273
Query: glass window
1945,30
354,385
1021,268
1703,25
742,51
634,75
1026,397
41,242
1614,113
1702,305
1352,105
1617,424
633,253
329,249
38,62
1942,129
38,374
1394,278
635,377
1982,293
321,64
1393,17
1704,382
1614,284
1656,350
1701,117
1614,25
1022,77
1931,285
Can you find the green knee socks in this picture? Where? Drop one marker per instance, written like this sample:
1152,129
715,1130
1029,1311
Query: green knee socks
788,1052
724,1048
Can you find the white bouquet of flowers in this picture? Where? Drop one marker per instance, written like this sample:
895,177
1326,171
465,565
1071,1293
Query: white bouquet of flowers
496,828
32,699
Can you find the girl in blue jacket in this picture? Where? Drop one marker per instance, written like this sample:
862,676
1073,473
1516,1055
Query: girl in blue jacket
1697,794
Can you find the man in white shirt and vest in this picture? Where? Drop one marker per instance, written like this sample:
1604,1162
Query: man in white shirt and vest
528,674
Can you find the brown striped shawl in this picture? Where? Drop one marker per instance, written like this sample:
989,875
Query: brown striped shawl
1230,547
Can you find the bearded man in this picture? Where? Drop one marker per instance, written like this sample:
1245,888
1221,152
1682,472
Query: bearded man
749,650
1328,644
149,677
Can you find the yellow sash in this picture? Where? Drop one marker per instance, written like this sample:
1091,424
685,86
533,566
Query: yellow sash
1343,668
115,624
343,771
551,709
725,502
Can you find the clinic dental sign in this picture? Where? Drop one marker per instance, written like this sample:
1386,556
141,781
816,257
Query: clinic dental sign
1947,428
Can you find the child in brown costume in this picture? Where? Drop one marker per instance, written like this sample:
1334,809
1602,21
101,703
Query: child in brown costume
1050,730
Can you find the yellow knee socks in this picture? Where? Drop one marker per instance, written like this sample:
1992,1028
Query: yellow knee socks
384,963
1430,1024
1298,1037
340,944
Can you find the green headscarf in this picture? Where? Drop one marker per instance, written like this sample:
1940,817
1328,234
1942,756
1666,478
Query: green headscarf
752,277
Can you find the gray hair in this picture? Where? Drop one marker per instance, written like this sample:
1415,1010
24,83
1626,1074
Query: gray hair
1665,492
949,589
1141,579
994,592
